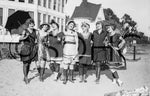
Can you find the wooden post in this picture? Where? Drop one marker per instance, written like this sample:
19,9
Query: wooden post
134,52
134,49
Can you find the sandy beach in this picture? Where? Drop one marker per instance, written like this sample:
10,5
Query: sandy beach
11,80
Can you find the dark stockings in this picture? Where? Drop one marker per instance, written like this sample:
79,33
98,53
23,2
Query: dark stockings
83,72
115,75
98,71
42,71
26,68
66,75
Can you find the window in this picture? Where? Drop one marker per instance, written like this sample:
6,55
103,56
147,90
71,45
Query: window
49,3
49,19
54,6
31,1
58,20
59,5
31,13
62,23
11,11
39,2
54,18
1,16
39,19
44,18
62,6
21,0
44,3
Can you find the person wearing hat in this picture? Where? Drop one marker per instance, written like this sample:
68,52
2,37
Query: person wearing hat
116,41
42,49
70,51
28,50
84,51
99,50
56,50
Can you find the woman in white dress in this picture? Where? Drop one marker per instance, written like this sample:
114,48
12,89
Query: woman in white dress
42,51
70,51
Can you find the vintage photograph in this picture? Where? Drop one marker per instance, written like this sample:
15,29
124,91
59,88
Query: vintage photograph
74,48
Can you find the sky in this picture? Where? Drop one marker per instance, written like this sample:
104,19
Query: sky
139,10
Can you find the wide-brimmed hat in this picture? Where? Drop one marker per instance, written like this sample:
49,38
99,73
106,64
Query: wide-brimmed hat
41,26
110,23
54,22
71,21
85,24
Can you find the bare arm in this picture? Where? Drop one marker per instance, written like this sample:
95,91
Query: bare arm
77,43
122,43
24,35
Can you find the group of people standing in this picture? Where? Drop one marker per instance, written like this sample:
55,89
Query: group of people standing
65,49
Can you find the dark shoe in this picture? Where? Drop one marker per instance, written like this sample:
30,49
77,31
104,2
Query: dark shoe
26,80
38,69
72,81
65,72
81,79
97,81
71,76
42,70
85,81
65,82
56,80
58,76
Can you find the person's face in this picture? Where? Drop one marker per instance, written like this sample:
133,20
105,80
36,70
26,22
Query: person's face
109,29
99,26
84,28
31,25
45,27
54,26
71,26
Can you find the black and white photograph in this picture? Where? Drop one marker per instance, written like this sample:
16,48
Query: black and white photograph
74,48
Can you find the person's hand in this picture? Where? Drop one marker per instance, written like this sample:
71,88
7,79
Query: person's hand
116,48
58,38
92,62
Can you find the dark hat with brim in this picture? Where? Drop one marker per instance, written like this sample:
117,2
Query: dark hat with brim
85,24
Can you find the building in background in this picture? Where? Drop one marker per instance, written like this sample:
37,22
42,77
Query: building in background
88,12
42,11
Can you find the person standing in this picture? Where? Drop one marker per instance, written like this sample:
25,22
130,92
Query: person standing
70,51
99,50
116,42
42,50
56,50
84,51
28,52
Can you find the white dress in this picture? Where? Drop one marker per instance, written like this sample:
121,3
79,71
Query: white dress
70,49
42,50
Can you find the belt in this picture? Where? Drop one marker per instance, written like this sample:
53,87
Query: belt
67,42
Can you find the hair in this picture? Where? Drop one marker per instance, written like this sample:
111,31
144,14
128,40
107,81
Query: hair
101,22
84,23
29,21
71,22
41,26
53,22
113,26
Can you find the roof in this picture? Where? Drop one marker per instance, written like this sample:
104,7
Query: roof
86,10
